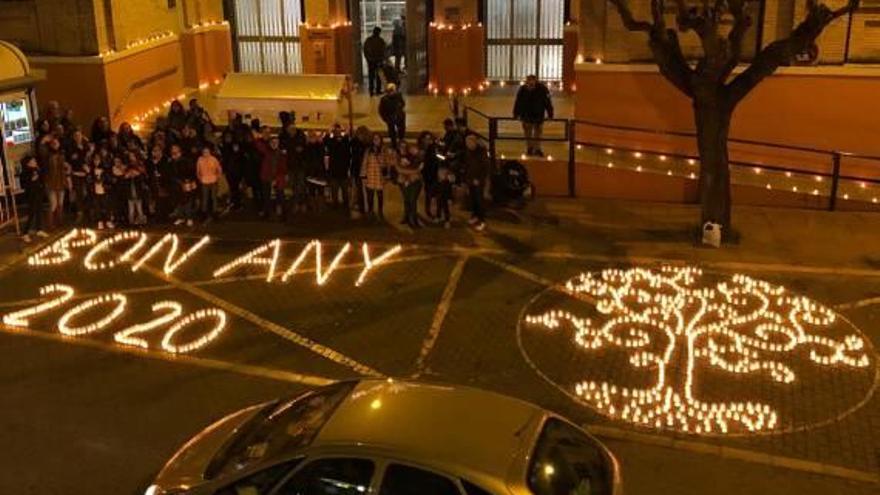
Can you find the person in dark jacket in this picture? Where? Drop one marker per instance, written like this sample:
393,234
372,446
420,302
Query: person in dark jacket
273,174
398,41
475,161
532,104
337,146
359,146
392,109
430,169
374,53
34,189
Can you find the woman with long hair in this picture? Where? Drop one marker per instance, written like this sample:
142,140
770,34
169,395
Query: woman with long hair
372,174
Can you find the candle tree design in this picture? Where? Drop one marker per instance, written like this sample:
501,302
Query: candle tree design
676,328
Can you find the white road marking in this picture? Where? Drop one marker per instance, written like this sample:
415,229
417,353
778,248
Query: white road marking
241,369
440,314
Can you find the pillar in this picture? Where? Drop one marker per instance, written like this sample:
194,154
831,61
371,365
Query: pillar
456,48
326,38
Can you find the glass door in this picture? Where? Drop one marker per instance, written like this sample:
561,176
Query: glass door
380,13
524,37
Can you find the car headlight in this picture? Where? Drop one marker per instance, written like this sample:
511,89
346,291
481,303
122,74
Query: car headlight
158,490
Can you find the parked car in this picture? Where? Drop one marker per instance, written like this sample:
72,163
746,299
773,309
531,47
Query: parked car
391,437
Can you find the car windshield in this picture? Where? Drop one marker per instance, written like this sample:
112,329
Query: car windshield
568,462
281,426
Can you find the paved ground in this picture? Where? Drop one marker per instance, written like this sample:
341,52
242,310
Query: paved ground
86,415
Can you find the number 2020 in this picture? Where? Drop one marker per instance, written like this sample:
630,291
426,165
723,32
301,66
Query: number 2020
168,313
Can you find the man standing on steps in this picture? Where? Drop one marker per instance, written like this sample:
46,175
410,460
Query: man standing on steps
532,103
393,113
374,53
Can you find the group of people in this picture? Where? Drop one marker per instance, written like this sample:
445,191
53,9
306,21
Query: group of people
110,179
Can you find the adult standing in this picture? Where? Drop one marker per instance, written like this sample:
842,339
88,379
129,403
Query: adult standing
359,146
374,53
372,176
476,171
392,109
273,175
32,182
430,169
337,146
531,106
398,41
56,180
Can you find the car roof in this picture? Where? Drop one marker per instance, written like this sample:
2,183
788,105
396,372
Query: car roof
453,428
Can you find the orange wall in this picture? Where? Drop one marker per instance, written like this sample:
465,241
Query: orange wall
129,83
456,58
822,111
143,80
78,86
207,55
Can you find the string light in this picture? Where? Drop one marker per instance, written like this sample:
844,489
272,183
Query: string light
740,326
89,261
64,322
172,311
321,276
370,263
168,340
59,251
253,258
21,318
170,263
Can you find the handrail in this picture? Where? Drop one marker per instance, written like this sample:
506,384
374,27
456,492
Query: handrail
753,142
573,143
692,134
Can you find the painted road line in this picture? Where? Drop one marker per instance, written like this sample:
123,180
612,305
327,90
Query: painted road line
265,324
538,279
440,314
238,368
610,432
858,304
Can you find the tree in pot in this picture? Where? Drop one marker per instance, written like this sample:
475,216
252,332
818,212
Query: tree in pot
709,81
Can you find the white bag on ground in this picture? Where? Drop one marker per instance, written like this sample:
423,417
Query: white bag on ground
712,234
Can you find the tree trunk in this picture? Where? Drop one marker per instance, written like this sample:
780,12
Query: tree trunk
712,116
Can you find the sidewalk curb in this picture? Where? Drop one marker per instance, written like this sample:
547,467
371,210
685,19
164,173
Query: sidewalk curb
610,432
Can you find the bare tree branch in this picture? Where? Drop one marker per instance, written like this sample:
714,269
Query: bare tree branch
742,21
663,42
629,21
782,51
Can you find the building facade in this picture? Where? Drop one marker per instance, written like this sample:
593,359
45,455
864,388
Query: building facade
119,58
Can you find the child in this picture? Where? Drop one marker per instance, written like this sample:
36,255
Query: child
135,185
119,211
101,185
443,192
208,170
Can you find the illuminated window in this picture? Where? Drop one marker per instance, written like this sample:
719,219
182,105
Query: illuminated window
524,37
267,35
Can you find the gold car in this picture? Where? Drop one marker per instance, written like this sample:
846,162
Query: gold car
391,437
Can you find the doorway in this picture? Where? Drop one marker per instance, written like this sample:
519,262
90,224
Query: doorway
383,13
524,37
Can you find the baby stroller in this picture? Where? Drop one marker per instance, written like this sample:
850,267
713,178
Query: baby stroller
510,185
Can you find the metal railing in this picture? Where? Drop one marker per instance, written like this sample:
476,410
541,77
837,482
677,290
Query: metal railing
748,158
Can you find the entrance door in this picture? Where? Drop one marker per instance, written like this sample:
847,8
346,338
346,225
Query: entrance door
524,37
380,13
267,35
